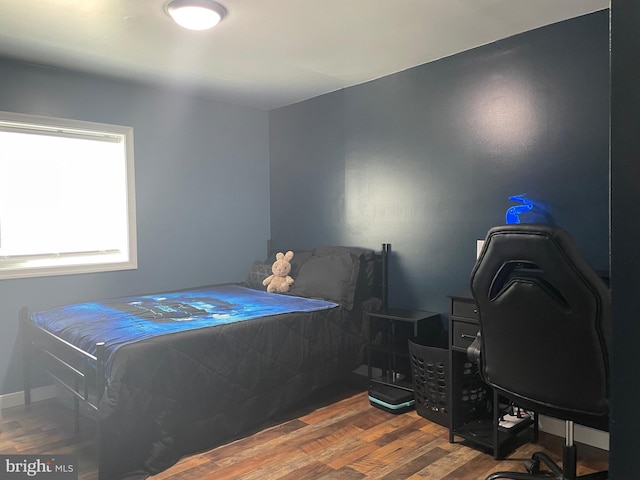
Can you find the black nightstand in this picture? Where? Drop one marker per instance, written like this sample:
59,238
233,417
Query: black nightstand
389,366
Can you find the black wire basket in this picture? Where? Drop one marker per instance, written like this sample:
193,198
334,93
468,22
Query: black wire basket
430,373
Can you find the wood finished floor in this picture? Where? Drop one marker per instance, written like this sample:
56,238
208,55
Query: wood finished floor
338,437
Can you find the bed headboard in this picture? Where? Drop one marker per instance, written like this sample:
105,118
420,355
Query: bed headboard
385,254
379,260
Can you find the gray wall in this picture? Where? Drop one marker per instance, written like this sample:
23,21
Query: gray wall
426,159
202,190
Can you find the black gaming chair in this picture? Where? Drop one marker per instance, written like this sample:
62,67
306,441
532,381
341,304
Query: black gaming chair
544,334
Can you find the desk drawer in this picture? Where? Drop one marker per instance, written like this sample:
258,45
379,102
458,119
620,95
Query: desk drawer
464,334
460,308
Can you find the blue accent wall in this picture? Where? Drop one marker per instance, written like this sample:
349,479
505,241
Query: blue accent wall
427,158
202,190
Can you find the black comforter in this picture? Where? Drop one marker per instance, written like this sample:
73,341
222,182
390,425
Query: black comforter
178,394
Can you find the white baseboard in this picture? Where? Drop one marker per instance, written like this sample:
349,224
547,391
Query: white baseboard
582,434
37,394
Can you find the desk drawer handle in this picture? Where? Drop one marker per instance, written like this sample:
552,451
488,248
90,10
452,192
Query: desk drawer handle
470,337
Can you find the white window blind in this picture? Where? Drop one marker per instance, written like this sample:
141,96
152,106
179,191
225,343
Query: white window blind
67,202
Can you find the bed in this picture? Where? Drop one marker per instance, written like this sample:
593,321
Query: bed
175,373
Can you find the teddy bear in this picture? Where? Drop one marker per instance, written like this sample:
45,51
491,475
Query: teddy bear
280,281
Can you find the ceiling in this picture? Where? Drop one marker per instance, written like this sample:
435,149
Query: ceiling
265,53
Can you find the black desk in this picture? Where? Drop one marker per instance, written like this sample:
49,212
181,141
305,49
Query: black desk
474,408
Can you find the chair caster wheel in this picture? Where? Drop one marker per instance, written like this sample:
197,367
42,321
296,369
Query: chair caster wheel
532,466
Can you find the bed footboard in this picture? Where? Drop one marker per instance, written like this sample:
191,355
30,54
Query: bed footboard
77,371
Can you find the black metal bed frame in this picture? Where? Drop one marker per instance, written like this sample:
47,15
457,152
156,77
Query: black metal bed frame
77,371
83,374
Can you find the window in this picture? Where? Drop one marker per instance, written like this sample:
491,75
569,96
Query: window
67,199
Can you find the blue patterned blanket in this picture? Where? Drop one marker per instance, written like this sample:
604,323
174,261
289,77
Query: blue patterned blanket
121,321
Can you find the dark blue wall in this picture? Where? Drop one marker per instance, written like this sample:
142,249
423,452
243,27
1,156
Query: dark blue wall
202,192
426,159
625,236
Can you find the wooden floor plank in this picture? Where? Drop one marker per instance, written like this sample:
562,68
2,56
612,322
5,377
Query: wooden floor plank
340,437
350,452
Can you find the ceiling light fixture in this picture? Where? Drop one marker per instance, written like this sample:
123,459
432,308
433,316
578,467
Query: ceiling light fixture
195,14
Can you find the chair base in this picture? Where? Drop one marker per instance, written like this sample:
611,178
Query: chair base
554,473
